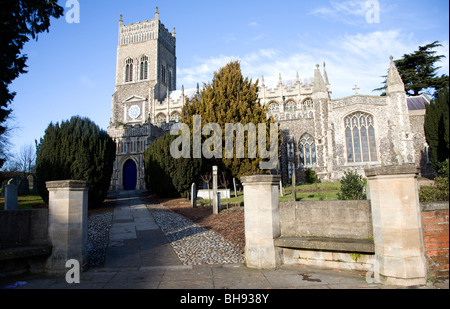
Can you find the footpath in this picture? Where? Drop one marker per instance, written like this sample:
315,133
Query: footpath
139,256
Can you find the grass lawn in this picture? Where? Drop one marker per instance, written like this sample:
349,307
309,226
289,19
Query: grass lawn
312,192
25,202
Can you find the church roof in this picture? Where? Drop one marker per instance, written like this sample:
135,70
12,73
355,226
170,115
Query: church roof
418,102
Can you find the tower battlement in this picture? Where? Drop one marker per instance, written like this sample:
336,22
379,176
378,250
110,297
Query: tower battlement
145,31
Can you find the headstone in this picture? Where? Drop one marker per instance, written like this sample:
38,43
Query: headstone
281,189
215,202
234,184
294,193
11,195
219,202
193,195
23,187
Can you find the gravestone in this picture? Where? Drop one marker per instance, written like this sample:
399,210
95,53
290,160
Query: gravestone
193,195
294,193
219,202
11,195
281,189
234,184
23,187
215,202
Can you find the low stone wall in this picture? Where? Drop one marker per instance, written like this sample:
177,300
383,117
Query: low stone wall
23,228
435,227
336,234
24,242
332,219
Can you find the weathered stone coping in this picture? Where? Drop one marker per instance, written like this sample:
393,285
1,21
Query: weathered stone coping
261,179
328,244
72,184
434,206
392,170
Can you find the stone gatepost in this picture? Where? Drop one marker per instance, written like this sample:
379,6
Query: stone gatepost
67,223
397,228
262,221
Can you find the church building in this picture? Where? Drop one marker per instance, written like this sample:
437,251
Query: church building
327,135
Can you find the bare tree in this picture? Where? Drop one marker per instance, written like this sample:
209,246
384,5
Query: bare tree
207,178
26,159
224,182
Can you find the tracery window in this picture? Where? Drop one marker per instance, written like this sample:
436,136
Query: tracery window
306,105
360,138
175,117
273,108
307,151
160,119
290,107
129,70
144,68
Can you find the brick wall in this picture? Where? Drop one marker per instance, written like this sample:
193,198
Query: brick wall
436,238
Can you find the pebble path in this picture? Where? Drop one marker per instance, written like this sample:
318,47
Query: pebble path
194,245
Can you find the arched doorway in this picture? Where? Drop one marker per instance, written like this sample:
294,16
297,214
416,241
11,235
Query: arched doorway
129,175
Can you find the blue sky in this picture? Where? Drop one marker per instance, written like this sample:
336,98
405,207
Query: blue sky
72,68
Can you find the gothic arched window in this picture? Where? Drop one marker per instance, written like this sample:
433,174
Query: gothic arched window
175,117
144,68
273,108
160,119
307,151
129,70
360,138
163,73
290,107
306,105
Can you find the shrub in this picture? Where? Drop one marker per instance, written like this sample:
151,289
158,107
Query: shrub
352,187
439,191
76,149
310,176
165,175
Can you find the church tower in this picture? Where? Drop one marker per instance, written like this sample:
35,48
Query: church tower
145,75
145,70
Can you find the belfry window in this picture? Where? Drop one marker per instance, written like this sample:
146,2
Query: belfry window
129,71
307,151
360,138
163,74
144,68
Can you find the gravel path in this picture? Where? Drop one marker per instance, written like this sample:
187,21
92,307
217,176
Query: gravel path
98,236
194,245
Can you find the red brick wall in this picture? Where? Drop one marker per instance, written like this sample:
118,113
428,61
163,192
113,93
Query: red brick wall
436,236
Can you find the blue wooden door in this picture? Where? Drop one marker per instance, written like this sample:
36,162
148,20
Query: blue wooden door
129,175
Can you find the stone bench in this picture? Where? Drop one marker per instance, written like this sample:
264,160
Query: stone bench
25,252
327,244
23,259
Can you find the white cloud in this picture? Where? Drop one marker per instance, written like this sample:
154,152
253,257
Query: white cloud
360,59
342,10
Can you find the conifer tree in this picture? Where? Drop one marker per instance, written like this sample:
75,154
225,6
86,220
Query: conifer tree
165,175
76,149
230,98
418,71
437,128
